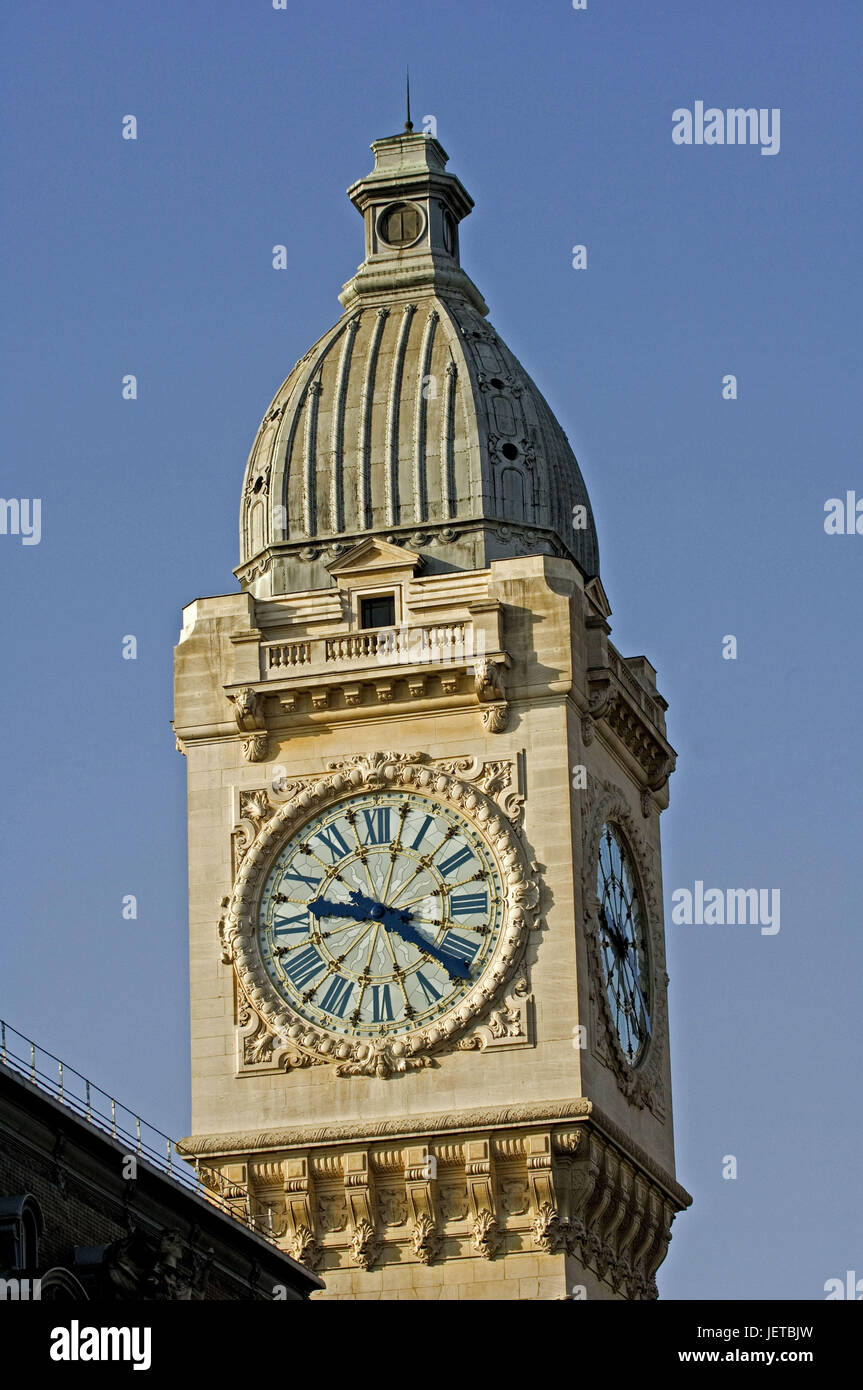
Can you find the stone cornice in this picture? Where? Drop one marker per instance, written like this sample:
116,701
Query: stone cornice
409,1127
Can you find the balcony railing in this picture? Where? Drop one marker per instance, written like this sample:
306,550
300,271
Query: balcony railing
386,646
642,698
93,1105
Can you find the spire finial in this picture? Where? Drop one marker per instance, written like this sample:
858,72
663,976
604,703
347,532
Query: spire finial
409,125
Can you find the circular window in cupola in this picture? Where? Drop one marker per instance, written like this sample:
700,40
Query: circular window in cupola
400,225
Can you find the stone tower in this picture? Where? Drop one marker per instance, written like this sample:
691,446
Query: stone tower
429,1027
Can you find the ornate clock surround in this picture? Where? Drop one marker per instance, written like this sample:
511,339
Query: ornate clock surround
477,790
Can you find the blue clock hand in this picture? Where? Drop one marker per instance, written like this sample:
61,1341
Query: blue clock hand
399,922
320,907
360,908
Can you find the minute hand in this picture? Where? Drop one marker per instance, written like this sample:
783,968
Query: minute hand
400,923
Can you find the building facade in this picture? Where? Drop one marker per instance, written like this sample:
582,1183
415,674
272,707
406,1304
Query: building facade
86,1216
429,1024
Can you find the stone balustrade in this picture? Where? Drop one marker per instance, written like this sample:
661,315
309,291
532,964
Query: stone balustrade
437,643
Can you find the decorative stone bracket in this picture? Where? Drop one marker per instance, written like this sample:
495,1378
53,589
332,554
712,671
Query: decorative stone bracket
488,683
249,714
631,717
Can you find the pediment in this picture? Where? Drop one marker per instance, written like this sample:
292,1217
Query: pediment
598,597
375,556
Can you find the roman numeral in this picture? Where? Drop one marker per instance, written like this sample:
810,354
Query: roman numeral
469,902
428,989
455,861
458,948
421,835
382,1006
304,966
378,825
282,926
334,841
335,1001
303,878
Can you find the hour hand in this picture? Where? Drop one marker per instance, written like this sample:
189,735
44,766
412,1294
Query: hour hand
320,907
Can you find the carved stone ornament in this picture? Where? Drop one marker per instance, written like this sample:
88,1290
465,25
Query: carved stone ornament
484,1235
457,784
249,714
549,1232
507,1024
488,683
641,1084
255,748
425,1241
305,1248
364,1245
248,711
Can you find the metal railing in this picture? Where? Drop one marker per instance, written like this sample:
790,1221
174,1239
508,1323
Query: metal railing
144,1141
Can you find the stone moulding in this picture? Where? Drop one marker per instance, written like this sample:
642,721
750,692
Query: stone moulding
467,784
476,1185
436,1125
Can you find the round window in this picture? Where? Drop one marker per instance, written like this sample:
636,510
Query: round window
400,224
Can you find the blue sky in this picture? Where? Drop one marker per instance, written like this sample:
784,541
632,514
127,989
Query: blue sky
153,257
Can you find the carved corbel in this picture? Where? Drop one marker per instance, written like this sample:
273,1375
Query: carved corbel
249,714
420,1173
652,1253
602,695
299,1211
480,1190
360,1202
549,1232
644,1237
488,684
585,1177
667,766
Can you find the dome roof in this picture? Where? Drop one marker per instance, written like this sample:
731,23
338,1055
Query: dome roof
410,419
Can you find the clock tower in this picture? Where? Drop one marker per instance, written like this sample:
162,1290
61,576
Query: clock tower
430,1047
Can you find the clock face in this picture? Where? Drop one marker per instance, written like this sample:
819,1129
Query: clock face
379,915
623,944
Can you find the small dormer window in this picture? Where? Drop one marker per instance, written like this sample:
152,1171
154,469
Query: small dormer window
378,611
